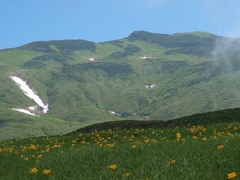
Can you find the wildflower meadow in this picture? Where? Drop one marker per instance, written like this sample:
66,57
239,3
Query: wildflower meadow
190,152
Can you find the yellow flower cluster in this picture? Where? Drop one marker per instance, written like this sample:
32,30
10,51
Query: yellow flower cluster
172,161
232,175
112,166
47,171
35,170
110,140
178,136
220,147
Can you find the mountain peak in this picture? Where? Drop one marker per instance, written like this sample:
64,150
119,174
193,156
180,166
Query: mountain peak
66,46
157,38
195,33
188,40
144,36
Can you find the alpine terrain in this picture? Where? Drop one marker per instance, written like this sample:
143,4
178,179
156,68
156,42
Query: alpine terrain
55,87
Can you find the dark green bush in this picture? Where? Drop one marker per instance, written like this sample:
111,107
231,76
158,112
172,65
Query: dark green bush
110,68
33,64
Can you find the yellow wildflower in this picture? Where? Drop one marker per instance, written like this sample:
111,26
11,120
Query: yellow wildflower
112,166
147,140
178,136
100,145
47,171
33,170
134,146
127,174
83,142
232,175
172,161
154,141
204,138
56,145
32,146
220,147
110,145
194,137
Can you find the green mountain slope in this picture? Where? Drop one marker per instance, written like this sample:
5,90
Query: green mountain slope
189,73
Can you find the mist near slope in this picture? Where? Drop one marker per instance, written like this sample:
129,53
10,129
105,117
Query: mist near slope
226,61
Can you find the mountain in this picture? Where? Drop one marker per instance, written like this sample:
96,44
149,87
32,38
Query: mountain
145,76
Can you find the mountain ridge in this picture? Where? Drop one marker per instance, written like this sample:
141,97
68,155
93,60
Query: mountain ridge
196,33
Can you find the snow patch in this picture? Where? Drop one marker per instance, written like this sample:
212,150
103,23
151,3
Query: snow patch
92,59
31,94
24,111
32,108
150,86
114,113
146,57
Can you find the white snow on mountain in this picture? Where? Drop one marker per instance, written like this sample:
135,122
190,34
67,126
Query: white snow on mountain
29,93
23,111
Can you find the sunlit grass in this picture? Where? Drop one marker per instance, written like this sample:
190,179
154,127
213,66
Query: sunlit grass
194,152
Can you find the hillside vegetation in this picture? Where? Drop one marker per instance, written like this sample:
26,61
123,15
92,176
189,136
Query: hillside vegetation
145,76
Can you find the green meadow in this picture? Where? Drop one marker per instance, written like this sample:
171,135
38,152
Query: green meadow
189,152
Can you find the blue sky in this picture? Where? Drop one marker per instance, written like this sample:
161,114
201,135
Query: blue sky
24,21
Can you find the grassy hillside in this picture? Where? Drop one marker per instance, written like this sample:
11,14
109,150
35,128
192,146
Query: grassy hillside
192,73
222,116
199,148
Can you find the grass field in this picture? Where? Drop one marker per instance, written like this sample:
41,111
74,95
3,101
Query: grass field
191,152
